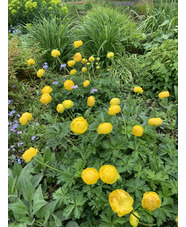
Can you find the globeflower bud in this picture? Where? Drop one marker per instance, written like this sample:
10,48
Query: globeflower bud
83,70
121,202
133,220
29,154
60,108
90,176
68,84
84,60
110,55
155,121
108,174
79,125
105,128
137,130
151,201
67,104
91,59
73,72
91,101
163,94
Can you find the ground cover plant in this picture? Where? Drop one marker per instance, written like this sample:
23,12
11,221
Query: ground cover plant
92,141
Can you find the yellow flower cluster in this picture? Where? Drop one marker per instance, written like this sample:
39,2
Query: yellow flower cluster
77,57
121,202
114,109
40,73
29,154
114,101
55,53
137,130
68,85
108,174
25,118
91,101
78,43
31,62
47,90
138,90
45,98
90,176
105,128
86,83
71,63
163,94
151,201
79,125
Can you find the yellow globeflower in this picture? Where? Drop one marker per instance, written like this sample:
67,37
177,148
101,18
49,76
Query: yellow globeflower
79,125
110,55
68,84
55,53
73,72
91,59
114,109
155,121
71,63
60,108
98,67
83,70
47,89
121,202
67,104
151,201
40,73
90,176
91,101
25,118
84,61
86,83
114,101
88,63
77,57
133,220
108,174
78,43
31,62
163,94
137,130
105,128
45,98
29,154
138,90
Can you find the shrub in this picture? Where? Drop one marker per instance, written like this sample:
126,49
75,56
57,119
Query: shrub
160,68
105,29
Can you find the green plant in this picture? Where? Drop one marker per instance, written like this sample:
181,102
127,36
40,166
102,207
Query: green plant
105,29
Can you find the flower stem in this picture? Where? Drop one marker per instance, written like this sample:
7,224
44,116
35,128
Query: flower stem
154,151
53,168
110,145
125,127
142,222
70,115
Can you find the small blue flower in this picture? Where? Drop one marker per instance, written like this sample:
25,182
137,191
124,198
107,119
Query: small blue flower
19,132
45,65
12,146
62,66
93,90
36,124
74,86
9,101
8,174
13,86
19,144
56,83
19,160
33,137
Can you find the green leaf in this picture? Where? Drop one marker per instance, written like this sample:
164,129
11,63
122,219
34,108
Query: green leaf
57,220
18,207
17,168
27,189
38,205
68,210
36,179
38,194
72,224
25,173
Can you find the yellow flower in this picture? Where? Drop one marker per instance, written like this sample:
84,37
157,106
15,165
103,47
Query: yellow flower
25,118
88,63
45,98
133,220
91,59
114,109
155,121
79,125
163,94
29,154
137,130
60,108
90,176
108,174
98,67
97,59
78,43
68,84
71,63
110,55
47,89
121,202
40,73
67,104
91,101
30,62
138,90
105,128
84,60
77,57
114,101
151,201
176,219
86,83
83,70
55,53
73,72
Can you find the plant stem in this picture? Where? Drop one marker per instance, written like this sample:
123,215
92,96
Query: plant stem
52,168
142,222
125,127
154,151
110,145
70,115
